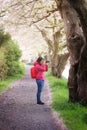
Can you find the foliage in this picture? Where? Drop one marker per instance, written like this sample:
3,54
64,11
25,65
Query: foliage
74,115
5,84
3,70
12,55
9,57
3,67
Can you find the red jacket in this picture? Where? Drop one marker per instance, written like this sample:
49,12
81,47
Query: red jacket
40,69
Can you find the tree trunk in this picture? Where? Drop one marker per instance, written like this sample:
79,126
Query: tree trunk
62,61
74,14
54,61
58,64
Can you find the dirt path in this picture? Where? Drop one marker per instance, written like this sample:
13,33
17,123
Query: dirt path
19,111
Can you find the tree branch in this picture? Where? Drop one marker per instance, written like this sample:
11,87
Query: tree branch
44,17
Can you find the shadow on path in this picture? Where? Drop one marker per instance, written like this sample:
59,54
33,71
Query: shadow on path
19,111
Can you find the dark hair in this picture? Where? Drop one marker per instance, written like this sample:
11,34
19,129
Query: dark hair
40,59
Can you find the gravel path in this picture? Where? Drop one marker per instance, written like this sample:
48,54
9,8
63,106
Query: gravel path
19,111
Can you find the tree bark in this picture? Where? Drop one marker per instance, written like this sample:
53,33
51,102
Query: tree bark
74,14
58,64
82,68
62,61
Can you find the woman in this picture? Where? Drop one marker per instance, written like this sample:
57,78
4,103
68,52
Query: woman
41,67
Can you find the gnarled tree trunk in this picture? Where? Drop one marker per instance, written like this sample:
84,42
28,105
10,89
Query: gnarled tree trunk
62,61
74,14
58,64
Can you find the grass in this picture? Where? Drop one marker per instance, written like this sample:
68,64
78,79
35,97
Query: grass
74,115
6,83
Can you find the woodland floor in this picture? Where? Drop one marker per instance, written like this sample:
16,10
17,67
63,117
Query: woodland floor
19,111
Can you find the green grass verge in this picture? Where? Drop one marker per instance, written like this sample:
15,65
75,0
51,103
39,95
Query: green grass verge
74,115
6,83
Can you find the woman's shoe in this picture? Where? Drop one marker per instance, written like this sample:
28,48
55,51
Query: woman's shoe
40,103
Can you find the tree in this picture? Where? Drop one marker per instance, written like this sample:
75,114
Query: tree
74,14
56,46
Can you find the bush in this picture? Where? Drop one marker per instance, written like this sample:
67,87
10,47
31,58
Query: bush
3,67
9,56
12,55
6,83
3,71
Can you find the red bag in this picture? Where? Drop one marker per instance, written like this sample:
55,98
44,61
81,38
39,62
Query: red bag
33,72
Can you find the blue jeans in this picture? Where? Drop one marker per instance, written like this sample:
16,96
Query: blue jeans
40,85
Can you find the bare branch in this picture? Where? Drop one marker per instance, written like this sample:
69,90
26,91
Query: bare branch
45,17
32,7
19,2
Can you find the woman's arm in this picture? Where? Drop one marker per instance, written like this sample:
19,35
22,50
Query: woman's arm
42,67
46,67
